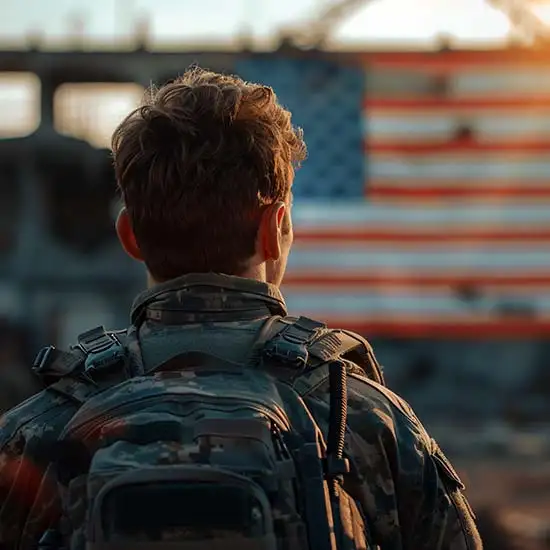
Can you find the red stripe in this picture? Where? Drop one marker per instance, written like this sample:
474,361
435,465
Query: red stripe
411,280
434,148
509,329
451,103
454,60
444,183
386,191
426,292
413,235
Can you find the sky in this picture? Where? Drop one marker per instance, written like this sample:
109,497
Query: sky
192,21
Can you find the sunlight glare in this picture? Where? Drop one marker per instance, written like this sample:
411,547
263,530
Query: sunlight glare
92,111
20,104
542,11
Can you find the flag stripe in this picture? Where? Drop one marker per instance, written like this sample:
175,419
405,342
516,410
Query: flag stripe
387,280
471,328
453,104
421,195
322,214
375,303
461,236
491,125
519,149
432,287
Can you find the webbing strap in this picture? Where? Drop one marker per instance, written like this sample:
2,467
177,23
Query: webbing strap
307,346
86,368
342,343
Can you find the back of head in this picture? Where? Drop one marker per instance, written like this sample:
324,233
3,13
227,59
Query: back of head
197,163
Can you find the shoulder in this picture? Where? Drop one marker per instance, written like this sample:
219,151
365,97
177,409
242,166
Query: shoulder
39,418
44,414
28,437
385,421
384,432
374,411
416,486
360,352
325,344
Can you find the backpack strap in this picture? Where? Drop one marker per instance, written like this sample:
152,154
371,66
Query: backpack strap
270,328
87,368
309,346
308,382
337,343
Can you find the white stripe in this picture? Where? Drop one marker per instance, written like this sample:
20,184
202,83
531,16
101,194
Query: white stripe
372,304
472,157
439,259
403,167
495,126
326,214
512,81
493,80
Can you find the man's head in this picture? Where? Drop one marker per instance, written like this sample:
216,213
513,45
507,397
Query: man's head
205,167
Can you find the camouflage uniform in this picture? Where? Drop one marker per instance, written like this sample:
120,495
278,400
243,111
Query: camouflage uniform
410,493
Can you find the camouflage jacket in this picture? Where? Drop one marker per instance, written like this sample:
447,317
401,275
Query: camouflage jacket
410,493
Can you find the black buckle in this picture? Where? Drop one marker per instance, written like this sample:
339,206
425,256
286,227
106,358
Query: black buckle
290,345
103,351
95,341
288,352
52,364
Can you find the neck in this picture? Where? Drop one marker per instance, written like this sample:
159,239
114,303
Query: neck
256,272
150,281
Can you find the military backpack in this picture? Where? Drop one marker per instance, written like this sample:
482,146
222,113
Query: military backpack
201,453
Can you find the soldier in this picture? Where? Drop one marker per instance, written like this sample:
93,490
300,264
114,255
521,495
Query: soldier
205,167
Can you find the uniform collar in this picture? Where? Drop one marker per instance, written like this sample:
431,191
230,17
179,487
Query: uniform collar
202,297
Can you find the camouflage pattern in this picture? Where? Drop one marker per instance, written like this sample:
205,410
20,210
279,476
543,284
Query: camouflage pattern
172,419
410,493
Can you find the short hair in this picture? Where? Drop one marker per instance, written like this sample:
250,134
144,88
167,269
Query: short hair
196,164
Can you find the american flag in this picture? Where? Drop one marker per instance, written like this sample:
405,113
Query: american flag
453,238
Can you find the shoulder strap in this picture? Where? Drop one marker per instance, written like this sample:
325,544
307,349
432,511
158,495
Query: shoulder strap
99,360
355,353
345,344
309,346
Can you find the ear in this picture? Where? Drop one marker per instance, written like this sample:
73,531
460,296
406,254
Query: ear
126,235
270,231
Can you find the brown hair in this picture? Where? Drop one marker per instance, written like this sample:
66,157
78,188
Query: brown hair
196,164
